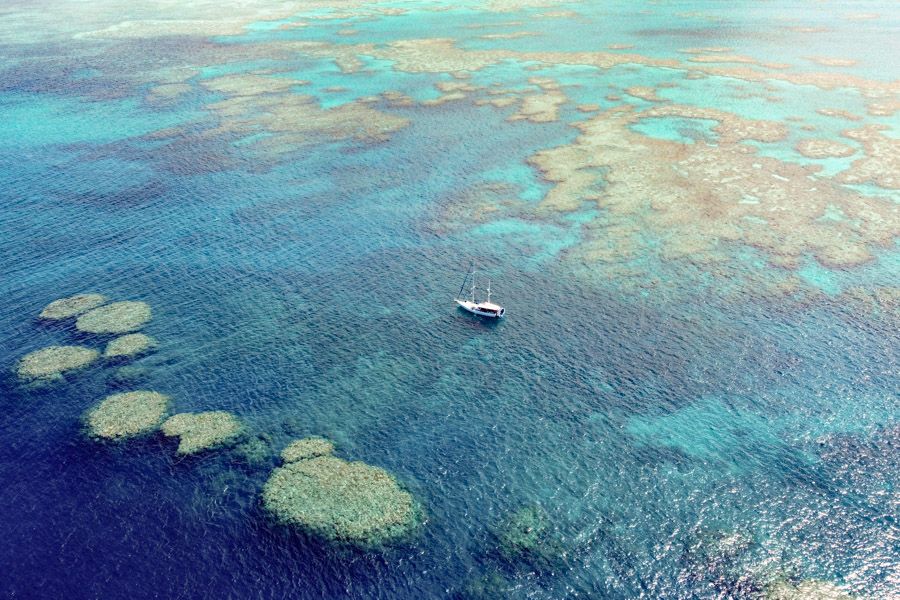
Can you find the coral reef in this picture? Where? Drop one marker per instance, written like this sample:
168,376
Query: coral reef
808,589
719,546
540,108
508,36
250,84
202,431
129,345
731,127
441,55
292,120
72,306
880,165
126,415
718,558
490,586
341,501
735,58
204,18
450,91
643,92
838,114
128,376
707,50
256,451
502,6
118,317
527,535
53,361
826,61
812,148
885,107
729,188
307,448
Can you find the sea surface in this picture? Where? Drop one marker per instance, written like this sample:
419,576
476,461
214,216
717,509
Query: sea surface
688,209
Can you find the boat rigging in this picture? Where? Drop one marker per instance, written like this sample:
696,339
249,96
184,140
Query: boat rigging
482,309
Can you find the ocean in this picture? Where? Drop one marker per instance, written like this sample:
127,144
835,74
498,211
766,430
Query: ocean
688,209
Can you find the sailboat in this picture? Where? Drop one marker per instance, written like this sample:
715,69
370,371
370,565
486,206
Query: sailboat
482,309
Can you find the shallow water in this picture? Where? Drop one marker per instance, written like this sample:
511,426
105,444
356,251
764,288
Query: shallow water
301,277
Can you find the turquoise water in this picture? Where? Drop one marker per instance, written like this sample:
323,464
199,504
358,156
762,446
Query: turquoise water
652,400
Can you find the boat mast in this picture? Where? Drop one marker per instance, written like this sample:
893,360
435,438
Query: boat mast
473,286
471,271
489,291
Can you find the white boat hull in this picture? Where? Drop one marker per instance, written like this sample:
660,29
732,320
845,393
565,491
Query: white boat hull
482,311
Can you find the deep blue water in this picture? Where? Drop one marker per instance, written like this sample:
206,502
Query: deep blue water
310,294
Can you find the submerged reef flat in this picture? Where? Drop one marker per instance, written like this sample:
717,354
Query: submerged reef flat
127,415
719,558
202,431
72,306
714,547
129,345
808,589
256,450
118,317
128,376
341,501
53,361
527,535
490,586
307,448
